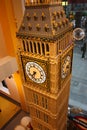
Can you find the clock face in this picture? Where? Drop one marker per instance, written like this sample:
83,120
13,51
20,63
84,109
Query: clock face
35,72
66,66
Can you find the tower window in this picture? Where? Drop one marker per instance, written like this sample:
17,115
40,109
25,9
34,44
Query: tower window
27,46
35,47
39,48
24,47
39,126
45,118
43,49
31,46
38,114
35,96
44,103
47,47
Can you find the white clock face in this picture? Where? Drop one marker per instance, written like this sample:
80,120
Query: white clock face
66,67
35,72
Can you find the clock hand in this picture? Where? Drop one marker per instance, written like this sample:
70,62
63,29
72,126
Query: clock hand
34,73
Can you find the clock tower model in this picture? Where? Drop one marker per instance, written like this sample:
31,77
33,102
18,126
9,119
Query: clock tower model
44,52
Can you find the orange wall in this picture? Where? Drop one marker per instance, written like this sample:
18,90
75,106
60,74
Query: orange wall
5,28
3,50
8,24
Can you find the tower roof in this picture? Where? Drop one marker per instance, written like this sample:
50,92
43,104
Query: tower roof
43,19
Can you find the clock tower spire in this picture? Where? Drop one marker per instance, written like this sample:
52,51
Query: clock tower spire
45,51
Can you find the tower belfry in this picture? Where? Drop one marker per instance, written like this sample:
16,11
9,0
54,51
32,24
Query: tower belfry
45,51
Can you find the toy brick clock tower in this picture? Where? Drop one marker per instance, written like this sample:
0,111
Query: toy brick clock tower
44,52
